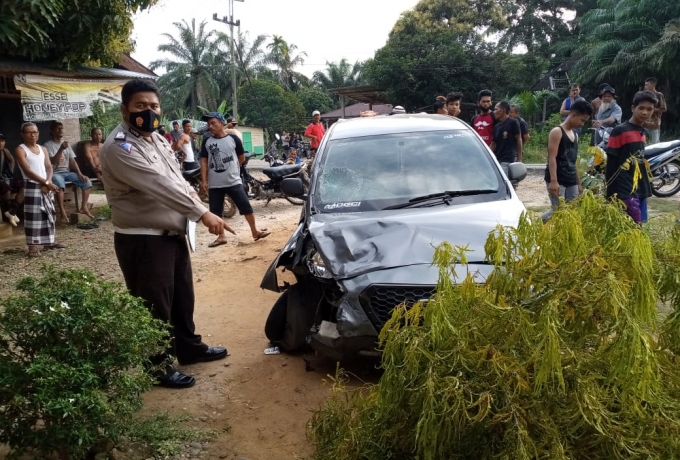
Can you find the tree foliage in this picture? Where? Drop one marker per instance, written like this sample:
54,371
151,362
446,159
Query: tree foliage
68,33
315,99
339,74
284,111
558,354
192,72
619,35
285,58
423,59
536,24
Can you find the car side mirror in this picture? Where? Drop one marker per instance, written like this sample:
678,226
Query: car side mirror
517,172
292,186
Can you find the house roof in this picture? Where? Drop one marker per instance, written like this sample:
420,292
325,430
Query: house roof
13,67
367,94
126,62
354,111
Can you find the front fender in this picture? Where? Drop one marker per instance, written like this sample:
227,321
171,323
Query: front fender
289,254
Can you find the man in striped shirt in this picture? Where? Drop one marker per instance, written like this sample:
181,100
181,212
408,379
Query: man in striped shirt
627,173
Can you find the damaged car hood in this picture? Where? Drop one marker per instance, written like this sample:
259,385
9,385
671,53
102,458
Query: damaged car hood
354,244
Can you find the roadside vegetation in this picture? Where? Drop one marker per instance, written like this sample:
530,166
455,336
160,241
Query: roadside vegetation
560,354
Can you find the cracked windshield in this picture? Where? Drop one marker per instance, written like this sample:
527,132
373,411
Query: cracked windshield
400,167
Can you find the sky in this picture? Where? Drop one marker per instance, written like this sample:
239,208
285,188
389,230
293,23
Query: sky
327,30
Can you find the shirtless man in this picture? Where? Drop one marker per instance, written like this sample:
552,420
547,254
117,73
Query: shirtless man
92,152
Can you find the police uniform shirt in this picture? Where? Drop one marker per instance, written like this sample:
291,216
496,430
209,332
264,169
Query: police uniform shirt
144,185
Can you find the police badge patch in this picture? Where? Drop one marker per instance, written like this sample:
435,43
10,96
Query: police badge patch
125,146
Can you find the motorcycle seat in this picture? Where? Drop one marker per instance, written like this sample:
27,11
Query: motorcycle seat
658,149
281,171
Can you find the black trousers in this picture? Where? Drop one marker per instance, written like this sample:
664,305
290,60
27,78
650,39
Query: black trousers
158,269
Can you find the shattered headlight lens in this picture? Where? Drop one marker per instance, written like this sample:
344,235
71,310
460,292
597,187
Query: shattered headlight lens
317,266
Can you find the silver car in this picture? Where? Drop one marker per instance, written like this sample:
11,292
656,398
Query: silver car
384,192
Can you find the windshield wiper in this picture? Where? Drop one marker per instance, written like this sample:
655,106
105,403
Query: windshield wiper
445,198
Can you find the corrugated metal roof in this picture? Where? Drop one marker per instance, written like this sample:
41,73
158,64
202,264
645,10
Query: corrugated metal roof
8,67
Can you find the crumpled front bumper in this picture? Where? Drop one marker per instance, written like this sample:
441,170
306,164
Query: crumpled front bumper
357,322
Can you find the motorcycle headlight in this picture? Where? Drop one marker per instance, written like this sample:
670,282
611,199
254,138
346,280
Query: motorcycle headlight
318,268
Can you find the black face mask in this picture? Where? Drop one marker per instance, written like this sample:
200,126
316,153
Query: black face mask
161,132
147,120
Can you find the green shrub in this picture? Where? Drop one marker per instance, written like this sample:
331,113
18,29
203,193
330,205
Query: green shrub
72,353
559,354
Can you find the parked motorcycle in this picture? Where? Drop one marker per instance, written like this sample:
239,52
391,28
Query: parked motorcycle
269,189
663,159
193,176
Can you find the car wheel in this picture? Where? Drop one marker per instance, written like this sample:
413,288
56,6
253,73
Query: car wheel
289,320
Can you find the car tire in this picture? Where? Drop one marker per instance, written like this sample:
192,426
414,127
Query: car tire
289,320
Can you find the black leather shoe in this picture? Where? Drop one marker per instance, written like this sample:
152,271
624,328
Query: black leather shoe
211,354
176,380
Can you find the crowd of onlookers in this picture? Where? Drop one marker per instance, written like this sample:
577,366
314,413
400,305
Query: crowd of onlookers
627,177
35,177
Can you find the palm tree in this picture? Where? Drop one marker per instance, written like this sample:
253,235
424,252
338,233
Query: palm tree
251,59
191,74
339,74
282,56
666,52
623,38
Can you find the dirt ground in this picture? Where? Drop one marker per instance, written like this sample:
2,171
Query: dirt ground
258,404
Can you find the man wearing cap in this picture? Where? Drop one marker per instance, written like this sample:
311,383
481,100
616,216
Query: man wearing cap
222,155
609,113
152,205
315,132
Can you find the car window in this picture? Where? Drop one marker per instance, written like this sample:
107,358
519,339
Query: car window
394,168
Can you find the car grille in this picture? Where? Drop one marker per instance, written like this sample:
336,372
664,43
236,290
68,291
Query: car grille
379,301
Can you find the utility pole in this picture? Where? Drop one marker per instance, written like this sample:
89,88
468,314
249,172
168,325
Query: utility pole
230,21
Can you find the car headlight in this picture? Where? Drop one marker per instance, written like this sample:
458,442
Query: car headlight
317,266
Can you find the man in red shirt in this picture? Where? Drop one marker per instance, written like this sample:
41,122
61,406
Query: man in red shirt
315,132
484,122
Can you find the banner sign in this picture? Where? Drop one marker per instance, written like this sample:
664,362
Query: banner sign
54,98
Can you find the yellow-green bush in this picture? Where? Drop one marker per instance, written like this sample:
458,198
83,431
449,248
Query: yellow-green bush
560,354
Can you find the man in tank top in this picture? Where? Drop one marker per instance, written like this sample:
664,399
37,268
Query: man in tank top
184,144
561,174
39,213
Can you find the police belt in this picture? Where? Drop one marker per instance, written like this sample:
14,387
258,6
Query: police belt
147,231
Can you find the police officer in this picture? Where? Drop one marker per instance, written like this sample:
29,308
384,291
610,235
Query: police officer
151,203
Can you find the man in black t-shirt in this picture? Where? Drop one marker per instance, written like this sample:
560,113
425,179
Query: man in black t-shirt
507,137
627,173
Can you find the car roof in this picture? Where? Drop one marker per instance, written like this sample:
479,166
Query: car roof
394,124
